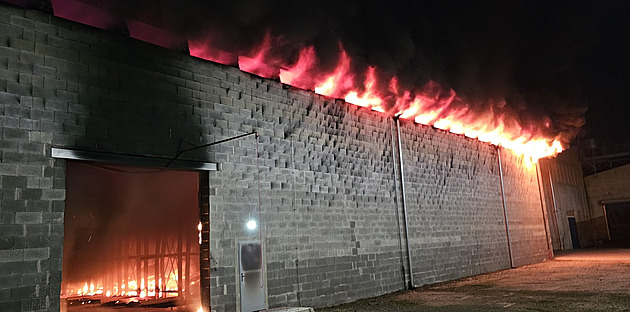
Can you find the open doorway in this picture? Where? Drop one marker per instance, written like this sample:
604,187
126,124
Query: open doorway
132,238
618,220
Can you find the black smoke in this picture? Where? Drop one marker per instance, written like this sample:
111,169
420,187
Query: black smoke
530,60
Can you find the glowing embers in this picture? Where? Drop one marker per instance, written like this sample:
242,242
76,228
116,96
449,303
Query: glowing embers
143,268
131,238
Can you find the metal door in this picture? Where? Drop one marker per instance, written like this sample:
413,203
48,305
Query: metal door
574,233
251,276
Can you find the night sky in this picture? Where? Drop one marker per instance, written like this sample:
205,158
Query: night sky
541,57
565,60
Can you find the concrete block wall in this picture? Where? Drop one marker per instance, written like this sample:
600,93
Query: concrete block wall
328,216
524,210
454,205
329,206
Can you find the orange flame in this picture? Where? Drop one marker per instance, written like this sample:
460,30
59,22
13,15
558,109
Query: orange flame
339,81
431,105
369,98
297,74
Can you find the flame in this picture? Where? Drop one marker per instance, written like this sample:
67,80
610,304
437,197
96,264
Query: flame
199,228
259,62
369,98
297,74
144,290
429,105
340,80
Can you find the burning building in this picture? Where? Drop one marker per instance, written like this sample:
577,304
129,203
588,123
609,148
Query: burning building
134,174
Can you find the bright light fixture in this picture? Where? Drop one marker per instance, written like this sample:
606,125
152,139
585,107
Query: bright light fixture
251,224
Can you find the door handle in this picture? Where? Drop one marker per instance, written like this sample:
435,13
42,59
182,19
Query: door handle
242,277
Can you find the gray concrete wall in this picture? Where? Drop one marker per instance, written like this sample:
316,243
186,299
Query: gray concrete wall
524,211
330,207
454,200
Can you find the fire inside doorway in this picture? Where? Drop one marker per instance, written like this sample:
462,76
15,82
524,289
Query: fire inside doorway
131,240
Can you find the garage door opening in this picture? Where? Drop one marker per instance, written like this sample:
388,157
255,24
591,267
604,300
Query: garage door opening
132,238
618,220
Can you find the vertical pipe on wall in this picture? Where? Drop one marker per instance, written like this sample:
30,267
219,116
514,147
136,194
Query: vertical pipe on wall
402,257
544,211
505,216
404,205
297,232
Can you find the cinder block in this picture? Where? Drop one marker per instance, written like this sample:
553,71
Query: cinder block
8,76
10,122
36,253
22,22
11,255
30,194
19,89
53,194
24,292
54,83
10,305
12,30
13,182
28,217
21,44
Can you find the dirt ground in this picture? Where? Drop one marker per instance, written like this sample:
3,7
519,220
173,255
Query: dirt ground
583,280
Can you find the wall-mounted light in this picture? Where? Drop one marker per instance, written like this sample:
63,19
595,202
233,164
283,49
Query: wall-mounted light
251,225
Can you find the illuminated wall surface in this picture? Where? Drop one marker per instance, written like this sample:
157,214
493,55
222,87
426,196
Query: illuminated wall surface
330,213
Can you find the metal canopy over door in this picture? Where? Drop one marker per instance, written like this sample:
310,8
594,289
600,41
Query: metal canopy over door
251,276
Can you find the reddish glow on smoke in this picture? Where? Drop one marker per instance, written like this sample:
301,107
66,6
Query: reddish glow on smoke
431,105
259,61
369,98
153,34
297,75
339,81
81,12
204,49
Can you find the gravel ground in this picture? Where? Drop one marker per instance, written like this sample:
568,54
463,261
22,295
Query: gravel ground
583,280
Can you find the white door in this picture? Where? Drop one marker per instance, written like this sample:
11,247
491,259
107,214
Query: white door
251,276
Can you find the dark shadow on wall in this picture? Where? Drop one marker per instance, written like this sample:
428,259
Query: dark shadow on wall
138,98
